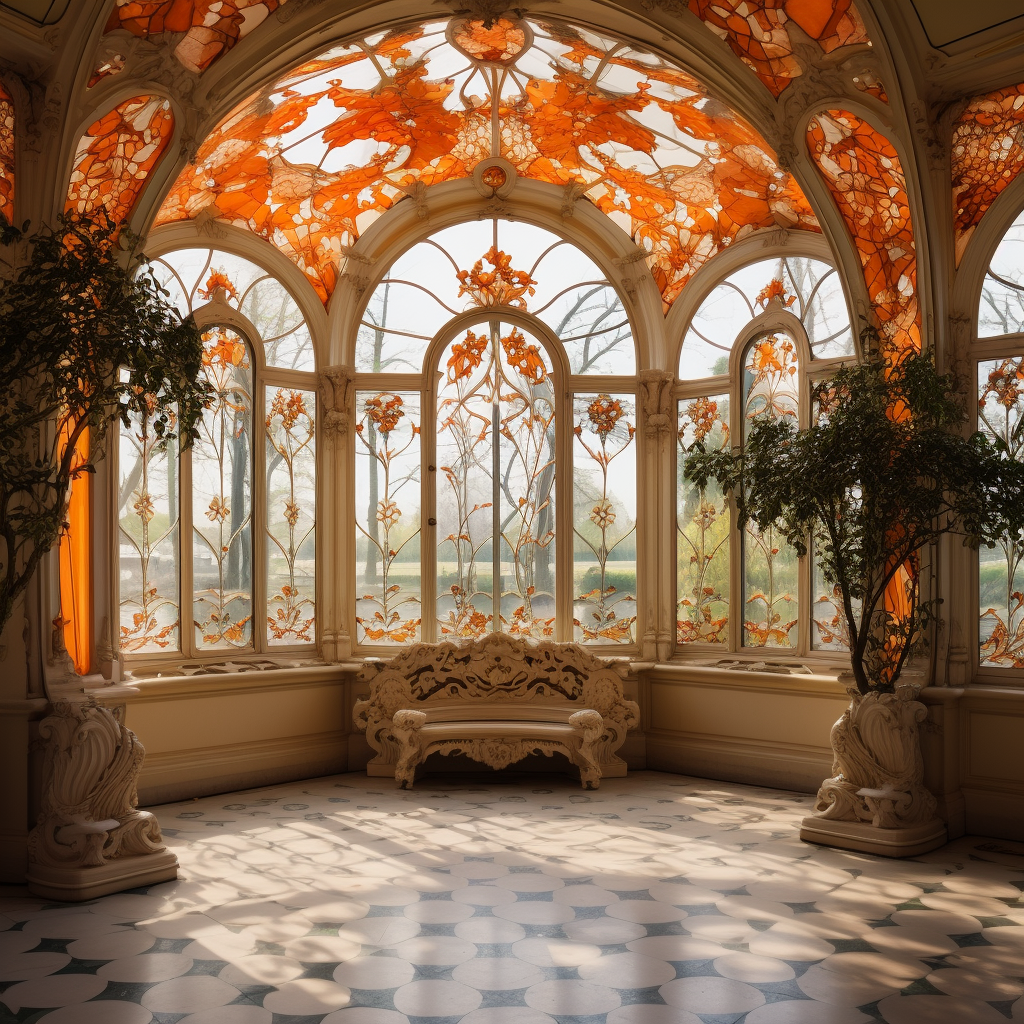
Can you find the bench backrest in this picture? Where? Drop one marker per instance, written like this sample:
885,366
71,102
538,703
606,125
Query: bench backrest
495,668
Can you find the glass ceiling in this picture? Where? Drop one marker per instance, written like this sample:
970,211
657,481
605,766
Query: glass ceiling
309,162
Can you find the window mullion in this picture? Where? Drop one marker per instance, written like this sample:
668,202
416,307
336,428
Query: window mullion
186,629
259,516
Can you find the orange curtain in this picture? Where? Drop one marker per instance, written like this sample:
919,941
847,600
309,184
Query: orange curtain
76,564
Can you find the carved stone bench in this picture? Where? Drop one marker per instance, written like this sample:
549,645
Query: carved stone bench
496,700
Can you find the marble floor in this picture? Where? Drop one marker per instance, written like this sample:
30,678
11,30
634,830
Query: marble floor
658,899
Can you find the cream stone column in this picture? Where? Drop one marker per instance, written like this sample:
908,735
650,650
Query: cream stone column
337,396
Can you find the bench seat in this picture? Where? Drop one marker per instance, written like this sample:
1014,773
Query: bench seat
496,700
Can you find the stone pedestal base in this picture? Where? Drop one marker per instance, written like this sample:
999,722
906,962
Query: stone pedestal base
74,884
866,838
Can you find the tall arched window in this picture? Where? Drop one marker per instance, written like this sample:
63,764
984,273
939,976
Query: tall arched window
217,543
751,350
999,354
495,444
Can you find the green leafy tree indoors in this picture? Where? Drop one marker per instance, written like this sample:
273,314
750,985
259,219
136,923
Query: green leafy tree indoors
86,336
885,471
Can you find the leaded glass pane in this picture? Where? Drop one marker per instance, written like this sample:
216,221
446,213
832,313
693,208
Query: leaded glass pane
193,276
808,288
770,565
1001,573
387,517
486,264
222,498
147,504
291,516
1001,310
604,518
496,485
702,529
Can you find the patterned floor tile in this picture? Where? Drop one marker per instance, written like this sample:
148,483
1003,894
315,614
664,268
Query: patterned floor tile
657,899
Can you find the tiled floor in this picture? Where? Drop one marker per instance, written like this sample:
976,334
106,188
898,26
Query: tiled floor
656,900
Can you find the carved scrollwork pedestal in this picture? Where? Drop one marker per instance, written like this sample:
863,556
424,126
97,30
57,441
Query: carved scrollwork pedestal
91,839
876,800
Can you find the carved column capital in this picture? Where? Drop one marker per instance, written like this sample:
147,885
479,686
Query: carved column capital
337,392
656,398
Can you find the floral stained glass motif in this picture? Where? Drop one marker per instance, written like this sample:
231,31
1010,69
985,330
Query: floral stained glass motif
757,31
987,154
116,155
1001,569
194,276
808,288
310,162
222,498
702,529
604,514
536,271
211,27
148,539
865,175
388,517
770,567
291,516
496,486
6,156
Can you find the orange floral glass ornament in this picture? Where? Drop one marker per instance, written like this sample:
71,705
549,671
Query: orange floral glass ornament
987,154
499,42
865,175
117,154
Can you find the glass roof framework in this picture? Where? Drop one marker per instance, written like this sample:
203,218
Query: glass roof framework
311,161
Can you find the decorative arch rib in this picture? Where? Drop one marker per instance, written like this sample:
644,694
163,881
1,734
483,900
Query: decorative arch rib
864,173
987,154
117,154
309,162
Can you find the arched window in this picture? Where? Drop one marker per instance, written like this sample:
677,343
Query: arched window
222,535
751,350
495,453
1000,376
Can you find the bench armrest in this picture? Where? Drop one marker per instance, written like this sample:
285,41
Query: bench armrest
408,719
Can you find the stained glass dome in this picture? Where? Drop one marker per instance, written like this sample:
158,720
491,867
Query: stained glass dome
310,161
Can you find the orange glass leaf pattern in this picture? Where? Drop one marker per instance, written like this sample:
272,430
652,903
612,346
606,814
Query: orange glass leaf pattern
757,31
6,156
116,156
211,27
988,153
865,175
702,180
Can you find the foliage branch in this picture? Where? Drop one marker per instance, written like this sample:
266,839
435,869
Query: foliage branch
87,336
884,472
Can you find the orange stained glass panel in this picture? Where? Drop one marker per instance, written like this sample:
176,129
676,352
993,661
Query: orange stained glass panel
6,156
116,155
310,163
864,173
211,27
988,153
758,31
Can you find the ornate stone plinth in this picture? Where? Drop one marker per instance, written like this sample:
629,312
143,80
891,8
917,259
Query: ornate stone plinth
876,801
91,839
